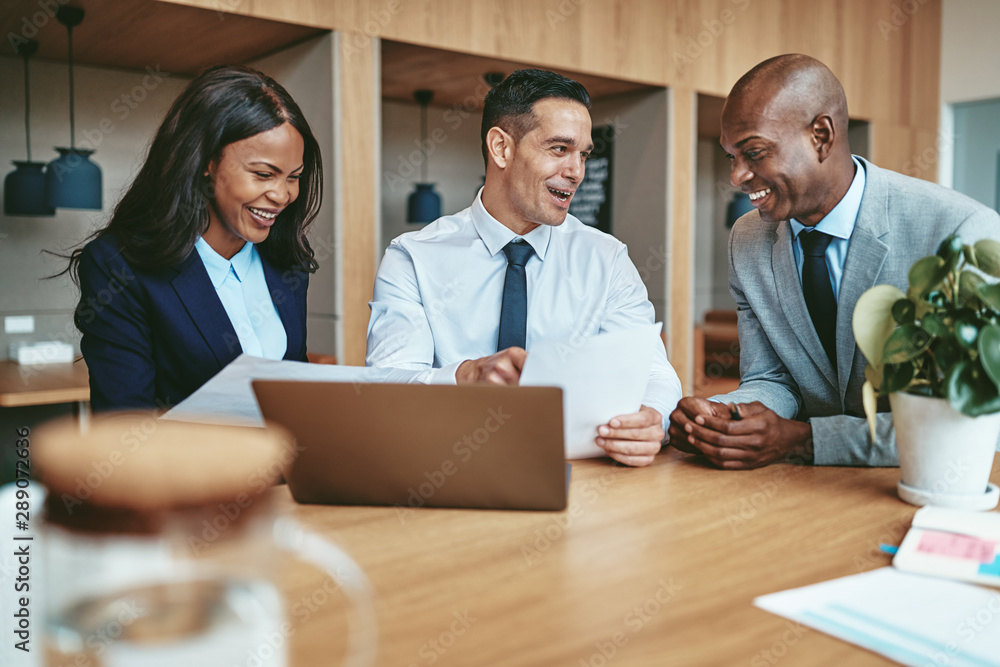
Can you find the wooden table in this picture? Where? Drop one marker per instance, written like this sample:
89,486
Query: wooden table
43,385
652,566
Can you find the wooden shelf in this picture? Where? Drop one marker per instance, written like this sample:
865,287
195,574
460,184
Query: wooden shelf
140,34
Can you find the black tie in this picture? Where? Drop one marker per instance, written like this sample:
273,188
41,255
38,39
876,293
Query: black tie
818,291
514,310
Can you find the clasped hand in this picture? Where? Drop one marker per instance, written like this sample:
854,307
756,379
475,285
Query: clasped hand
760,437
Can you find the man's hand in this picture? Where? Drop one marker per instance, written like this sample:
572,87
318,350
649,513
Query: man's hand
761,437
687,411
633,439
504,367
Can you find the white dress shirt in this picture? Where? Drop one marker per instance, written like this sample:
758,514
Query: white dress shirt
438,294
242,288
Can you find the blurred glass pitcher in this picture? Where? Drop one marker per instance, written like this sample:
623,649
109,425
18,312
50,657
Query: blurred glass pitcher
160,544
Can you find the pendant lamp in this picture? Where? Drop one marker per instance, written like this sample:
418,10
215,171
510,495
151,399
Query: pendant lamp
24,188
72,180
738,206
423,204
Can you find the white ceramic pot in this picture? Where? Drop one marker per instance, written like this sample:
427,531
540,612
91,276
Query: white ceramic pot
945,457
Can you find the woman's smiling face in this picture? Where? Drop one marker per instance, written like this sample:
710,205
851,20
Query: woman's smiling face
253,181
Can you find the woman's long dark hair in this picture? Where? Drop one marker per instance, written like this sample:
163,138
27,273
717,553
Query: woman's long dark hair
166,207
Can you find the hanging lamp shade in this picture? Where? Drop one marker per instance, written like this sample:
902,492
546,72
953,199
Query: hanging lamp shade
24,188
423,204
738,206
72,180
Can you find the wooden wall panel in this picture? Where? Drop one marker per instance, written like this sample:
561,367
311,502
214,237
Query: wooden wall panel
912,151
681,151
886,56
357,174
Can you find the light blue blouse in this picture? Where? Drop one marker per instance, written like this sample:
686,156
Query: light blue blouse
242,288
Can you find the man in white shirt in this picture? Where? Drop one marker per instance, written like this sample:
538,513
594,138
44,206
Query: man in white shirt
462,298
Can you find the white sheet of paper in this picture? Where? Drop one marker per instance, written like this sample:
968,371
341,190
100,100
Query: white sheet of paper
912,619
228,397
601,377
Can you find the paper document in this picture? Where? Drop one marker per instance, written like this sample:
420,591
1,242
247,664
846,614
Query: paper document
601,377
228,397
909,618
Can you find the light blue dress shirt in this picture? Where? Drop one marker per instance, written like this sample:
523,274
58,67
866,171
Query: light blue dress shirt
242,288
838,223
439,290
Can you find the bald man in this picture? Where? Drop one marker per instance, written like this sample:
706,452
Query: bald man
826,226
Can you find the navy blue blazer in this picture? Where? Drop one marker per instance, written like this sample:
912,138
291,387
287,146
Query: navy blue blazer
150,339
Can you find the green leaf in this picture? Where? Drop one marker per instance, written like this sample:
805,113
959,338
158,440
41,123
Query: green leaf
896,377
990,294
937,299
950,251
967,331
970,391
904,311
988,256
927,273
922,390
872,321
933,323
969,284
905,344
989,352
947,352
970,255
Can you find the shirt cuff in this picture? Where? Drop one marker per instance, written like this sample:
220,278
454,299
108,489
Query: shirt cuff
444,375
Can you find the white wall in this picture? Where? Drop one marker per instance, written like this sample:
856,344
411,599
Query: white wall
639,201
970,71
970,59
454,161
128,105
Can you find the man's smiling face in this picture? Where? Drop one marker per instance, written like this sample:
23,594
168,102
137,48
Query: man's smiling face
547,164
773,159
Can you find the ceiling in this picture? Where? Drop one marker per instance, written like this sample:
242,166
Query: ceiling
457,78
137,34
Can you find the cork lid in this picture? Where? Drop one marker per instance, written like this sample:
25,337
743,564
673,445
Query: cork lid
135,463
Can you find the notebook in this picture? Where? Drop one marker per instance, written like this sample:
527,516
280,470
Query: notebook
958,544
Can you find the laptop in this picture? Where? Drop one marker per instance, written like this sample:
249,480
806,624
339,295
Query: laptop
415,445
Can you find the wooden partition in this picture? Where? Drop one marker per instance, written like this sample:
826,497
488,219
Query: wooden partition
885,52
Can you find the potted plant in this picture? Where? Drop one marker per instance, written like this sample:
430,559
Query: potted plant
935,351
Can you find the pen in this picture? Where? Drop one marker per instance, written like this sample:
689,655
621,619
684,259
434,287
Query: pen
734,412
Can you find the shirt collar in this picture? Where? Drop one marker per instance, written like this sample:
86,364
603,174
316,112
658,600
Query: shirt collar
840,221
496,235
218,267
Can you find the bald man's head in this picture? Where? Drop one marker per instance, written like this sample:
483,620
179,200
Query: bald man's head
784,126
793,84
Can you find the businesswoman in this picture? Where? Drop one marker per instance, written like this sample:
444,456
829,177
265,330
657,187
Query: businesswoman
205,256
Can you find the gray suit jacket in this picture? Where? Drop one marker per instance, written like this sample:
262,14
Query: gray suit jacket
782,362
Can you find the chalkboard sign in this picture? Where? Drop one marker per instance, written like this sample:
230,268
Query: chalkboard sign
592,201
